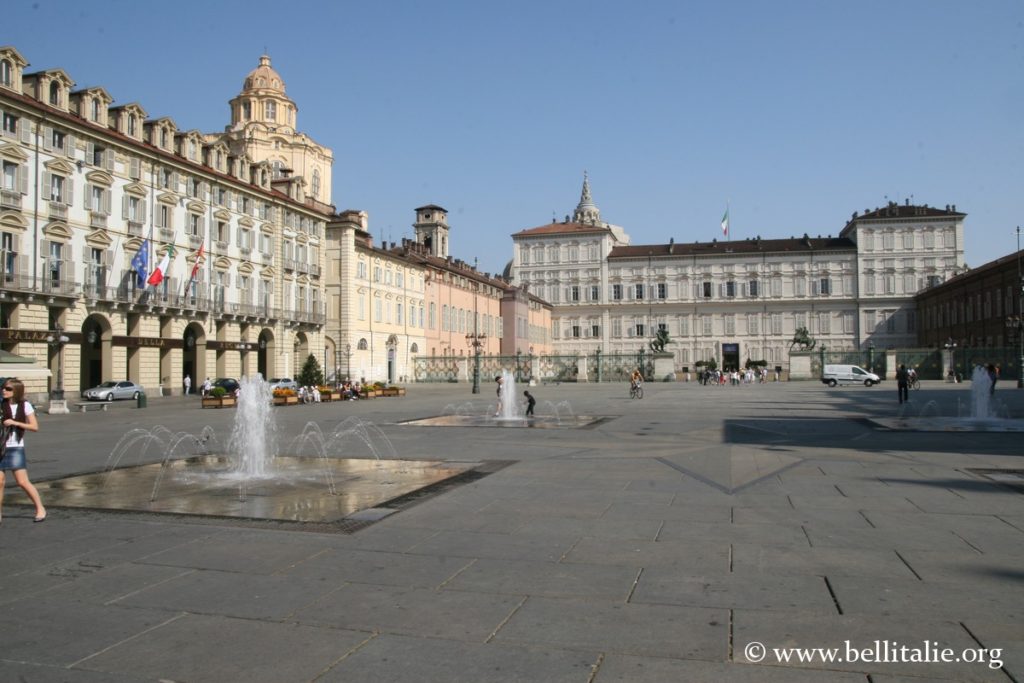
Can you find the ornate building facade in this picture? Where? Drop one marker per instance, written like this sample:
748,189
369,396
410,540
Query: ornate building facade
96,197
737,300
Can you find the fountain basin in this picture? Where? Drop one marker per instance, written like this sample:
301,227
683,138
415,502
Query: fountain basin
295,489
948,424
538,422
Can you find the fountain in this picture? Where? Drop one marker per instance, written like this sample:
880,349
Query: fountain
985,414
250,479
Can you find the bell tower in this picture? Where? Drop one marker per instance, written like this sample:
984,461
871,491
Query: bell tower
432,229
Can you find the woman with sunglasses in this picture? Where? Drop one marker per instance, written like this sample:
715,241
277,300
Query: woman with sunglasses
18,417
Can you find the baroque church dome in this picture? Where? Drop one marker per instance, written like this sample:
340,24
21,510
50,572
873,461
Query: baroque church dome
263,77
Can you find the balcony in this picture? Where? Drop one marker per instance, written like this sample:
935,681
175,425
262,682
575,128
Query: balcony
220,245
135,228
58,211
194,241
97,219
10,199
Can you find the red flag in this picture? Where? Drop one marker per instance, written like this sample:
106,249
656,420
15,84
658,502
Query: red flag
199,258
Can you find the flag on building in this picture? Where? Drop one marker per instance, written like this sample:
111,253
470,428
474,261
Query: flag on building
161,270
140,263
195,268
725,222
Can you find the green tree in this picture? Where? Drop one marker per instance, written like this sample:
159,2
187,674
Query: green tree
311,375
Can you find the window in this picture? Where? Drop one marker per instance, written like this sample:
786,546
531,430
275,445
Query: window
574,294
753,321
595,330
684,326
98,155
638,329
730,324
753,289
132,125
705,323
94,110
270,111
58,140
361,270
662,290
799,286
776,323
824,323
730,288
195,225
221,232
825,286
617,292
888,241
6,73
55,93
10,128
55,261
575,332
595,293
58,186
316,183
705,290
638,291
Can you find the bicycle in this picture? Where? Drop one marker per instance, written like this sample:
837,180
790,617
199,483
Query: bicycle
636,390
914,383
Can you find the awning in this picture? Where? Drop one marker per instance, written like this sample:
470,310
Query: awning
12,365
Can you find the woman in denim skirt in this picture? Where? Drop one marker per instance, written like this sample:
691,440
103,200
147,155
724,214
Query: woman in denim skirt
18,417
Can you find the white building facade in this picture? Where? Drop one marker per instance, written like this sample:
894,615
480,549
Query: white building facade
734,301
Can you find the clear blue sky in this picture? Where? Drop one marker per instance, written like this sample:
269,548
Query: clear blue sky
796,113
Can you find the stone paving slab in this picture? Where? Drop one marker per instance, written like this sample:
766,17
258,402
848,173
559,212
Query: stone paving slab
615,627
400,659
427,613
193,647
809,594
551,579
378,568
626,669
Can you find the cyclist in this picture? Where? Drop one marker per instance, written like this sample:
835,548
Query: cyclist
912,379
636,381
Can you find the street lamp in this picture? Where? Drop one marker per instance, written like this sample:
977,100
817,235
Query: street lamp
1020,318
348,361
950,347
476,341
871,356
57,339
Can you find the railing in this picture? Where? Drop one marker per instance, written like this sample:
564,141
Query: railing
58,211
10,200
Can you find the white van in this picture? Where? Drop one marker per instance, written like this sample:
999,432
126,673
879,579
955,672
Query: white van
848,374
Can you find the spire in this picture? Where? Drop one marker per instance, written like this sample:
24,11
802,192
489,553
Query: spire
586,211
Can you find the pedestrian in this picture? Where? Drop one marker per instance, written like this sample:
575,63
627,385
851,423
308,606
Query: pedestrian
993,375
18,417
901,383
499,381
187,383
207,387
530,403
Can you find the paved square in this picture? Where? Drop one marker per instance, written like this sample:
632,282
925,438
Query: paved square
659,545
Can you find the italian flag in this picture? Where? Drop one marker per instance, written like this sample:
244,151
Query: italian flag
725,222
161,270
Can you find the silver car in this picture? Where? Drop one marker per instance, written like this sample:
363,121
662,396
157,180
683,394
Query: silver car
283,383
108,391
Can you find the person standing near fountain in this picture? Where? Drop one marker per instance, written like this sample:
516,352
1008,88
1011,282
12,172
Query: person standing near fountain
901,383
993,375
530,403
498,380
18,417
187,383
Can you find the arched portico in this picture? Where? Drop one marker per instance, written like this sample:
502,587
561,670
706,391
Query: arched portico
193,356
95,358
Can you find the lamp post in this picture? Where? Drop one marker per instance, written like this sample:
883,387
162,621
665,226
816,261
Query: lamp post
57,339
871,356
348,361
1020,318
476,341
950,347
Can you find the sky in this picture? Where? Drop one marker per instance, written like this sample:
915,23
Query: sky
793,114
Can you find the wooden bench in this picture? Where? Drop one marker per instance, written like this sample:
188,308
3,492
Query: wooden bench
85,407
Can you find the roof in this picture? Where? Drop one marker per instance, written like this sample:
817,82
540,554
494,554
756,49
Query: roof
894,211
562,229
750,246
431,206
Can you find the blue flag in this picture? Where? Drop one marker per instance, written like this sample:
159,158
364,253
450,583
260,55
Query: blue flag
140,264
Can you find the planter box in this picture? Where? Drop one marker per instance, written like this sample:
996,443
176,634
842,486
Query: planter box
333,396
222,402
393,391
286,400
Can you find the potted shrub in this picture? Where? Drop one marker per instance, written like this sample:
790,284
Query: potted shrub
328,393
218,398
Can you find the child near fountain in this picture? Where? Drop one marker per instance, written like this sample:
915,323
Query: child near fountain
530,403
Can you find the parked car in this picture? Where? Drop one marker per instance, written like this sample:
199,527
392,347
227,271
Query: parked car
109,391
230,384
283,383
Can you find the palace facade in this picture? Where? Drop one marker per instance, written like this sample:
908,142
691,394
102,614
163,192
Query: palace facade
96,197
735,300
